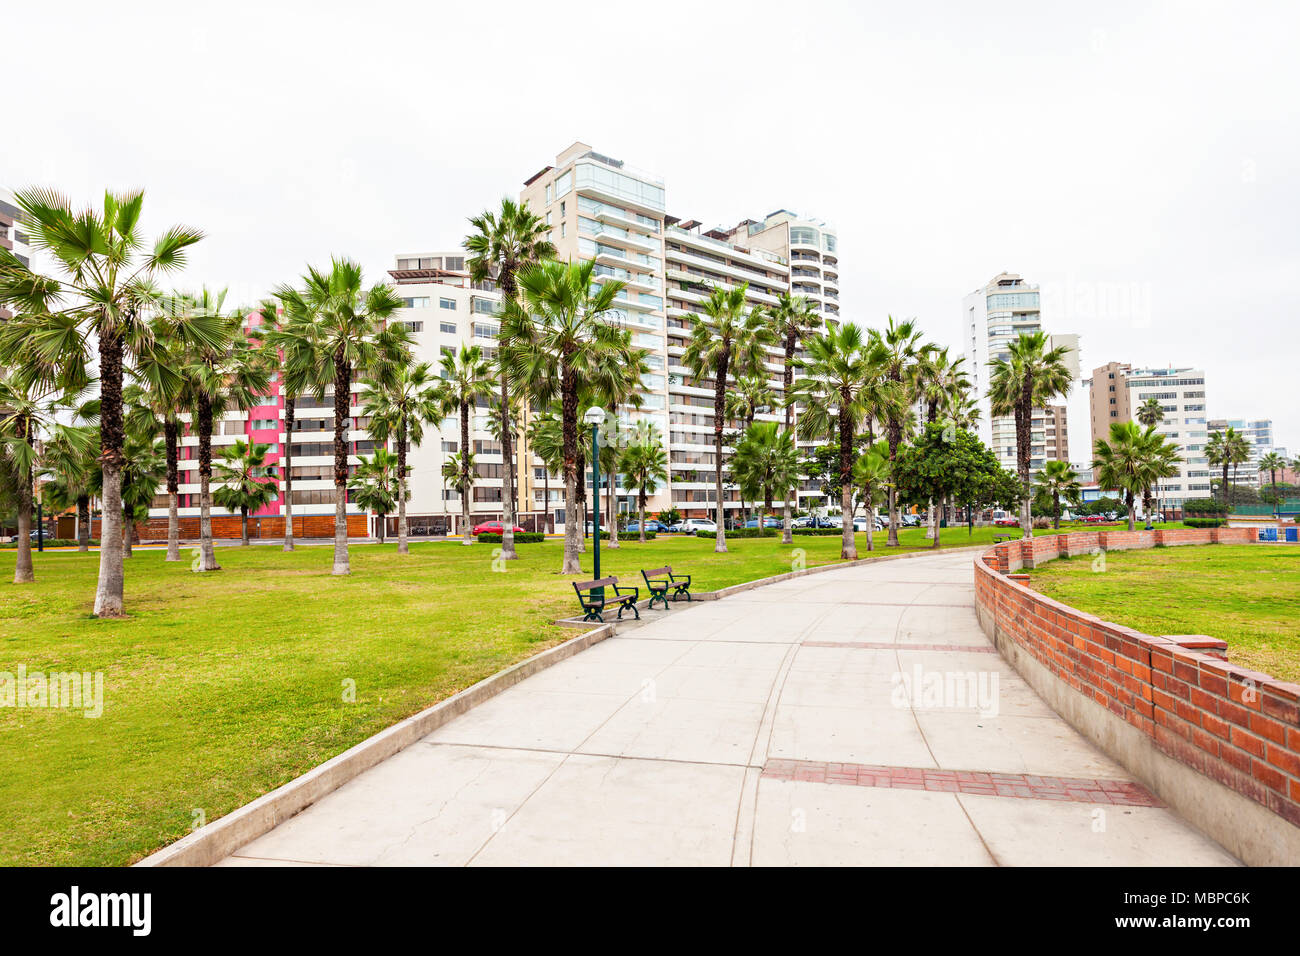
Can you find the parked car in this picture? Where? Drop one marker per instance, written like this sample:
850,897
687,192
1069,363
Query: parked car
651,524
1095,519
692,525
805,522
1006,521
494,527
675,527
768,522
910,521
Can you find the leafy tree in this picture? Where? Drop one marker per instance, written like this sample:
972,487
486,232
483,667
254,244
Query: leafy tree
99,300
943,463
247,483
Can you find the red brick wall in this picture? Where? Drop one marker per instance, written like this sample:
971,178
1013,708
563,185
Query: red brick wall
1236,726
227,527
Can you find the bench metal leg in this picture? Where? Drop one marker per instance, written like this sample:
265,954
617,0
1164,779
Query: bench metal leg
626,607
593,615
661,596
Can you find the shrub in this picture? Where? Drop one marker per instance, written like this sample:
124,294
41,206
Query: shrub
628,535
1204,507
521,537
819,532
1204,522
743,533
53,543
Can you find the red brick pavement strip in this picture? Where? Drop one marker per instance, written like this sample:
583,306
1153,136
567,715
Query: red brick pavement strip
887,646
1019,785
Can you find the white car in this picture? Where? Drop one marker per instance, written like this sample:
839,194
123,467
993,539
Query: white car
692,525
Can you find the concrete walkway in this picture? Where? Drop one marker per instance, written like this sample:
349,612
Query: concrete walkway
858,716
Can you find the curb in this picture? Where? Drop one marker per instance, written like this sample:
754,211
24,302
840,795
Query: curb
222,837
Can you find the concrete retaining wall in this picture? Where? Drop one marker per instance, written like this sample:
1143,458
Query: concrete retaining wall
1218,742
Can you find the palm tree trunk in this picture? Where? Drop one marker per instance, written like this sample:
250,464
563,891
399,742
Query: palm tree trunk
1024,425
207,554
719,411
848,546
466,488
871,522
609,510
171,434
243,527
641,517
128,526
1056,511
342,398
508,478
894,433
1131,508
403,546
569,441
112,573
23,571
582,492
290,407
787,378
83,523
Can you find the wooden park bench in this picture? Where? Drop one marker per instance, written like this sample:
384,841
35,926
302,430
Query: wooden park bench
595,596
1004,536
662,580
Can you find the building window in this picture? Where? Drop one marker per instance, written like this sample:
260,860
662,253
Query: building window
418,302
447,304
414,326
450,447
448,328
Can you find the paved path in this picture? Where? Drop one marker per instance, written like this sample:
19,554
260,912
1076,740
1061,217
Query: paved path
806,722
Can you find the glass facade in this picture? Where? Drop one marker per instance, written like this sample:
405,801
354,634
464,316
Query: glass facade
596,176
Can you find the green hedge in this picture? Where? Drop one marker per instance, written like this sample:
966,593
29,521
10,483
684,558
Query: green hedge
1204,507
53,543
521,537
628,535
742,533
1205,522
819,532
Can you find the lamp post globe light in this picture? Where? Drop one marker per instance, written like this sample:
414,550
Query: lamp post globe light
593,417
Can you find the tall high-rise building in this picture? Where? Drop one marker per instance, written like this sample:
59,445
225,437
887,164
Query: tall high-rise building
601,209
993,316
12,236
1118,391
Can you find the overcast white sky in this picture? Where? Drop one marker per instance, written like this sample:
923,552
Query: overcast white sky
1140,161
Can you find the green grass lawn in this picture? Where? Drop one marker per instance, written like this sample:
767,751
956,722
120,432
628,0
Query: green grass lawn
221,687
1247,595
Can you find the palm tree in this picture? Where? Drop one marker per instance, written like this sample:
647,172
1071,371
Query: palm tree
766,464
458,471
794,318
1151,412
1273,463
399,405
246,482
1238,454
871,476
1216,453
1131,460
839,390
30,406
1028,378
352,333
645,463
145,470
99,299
895,350
619,387
557,340
744,399
726,340
466,377
546,441
1058,480
222,372
500,245
290,342
71,465
378,486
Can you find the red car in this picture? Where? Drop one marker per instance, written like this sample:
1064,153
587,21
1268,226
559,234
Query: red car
493,527
1096,519
1007,522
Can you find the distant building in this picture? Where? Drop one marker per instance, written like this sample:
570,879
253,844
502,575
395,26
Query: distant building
1258,433
12,236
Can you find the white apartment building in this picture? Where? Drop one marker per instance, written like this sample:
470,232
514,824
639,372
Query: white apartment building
993,316
12,236
600,209
1118,391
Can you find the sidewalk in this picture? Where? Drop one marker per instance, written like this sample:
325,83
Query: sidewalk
816,721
